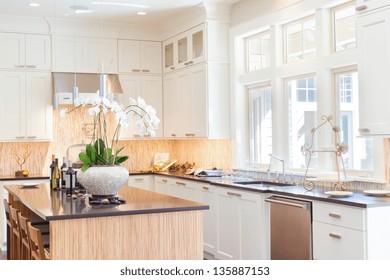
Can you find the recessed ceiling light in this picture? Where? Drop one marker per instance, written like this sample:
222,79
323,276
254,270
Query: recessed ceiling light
121,4
141,13
34,4
80,9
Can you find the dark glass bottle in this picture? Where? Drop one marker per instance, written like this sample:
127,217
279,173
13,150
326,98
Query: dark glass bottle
63,173
52,165
70,179
56,176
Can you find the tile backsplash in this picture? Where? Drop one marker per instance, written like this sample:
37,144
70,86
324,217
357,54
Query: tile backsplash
71,130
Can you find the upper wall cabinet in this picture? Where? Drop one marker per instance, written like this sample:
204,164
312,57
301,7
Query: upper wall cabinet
84,54
25,106
185,49
373,31
139,57
24,51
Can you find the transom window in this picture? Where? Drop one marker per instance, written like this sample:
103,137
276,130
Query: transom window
300,42
344,27
258,51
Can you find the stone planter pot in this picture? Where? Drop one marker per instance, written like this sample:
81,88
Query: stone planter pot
102,180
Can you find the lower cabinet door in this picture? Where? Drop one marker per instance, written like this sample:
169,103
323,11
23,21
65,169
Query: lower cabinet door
332,242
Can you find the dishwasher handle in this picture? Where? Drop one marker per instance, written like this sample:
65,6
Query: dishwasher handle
303,205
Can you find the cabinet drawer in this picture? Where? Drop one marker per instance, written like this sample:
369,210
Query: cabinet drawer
350,217
333,242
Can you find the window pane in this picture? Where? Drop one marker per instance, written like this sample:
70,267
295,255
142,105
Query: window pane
300,39
344,28
360,150
258,51
260,127
302,118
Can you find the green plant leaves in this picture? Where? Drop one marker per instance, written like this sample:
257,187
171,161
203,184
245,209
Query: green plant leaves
99,154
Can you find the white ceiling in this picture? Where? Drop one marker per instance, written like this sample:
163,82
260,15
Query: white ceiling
103,10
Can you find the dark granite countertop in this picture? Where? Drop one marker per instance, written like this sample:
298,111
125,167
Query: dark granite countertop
358,199
55,205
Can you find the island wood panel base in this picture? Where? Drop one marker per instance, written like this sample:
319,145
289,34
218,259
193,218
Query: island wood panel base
159,236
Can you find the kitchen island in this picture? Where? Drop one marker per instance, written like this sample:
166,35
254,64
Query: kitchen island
148,226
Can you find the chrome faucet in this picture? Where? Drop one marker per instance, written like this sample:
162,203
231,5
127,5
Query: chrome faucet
272,156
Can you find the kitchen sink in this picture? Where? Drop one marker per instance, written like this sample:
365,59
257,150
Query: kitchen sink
279,184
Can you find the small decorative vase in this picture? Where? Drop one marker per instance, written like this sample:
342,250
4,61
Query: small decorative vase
103,180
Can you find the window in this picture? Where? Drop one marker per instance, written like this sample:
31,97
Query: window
300,39
360,150
344,27
258,51
260,124
302,117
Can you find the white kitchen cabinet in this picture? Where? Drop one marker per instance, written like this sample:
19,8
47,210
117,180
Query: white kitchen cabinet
369,5
374,69
150,89
338,232
185,97
185,49
26,106
239,219
139,57
84,54
196,102
161,185
144,182
25,51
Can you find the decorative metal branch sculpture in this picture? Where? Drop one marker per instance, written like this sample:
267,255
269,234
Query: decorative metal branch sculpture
21,155
340,148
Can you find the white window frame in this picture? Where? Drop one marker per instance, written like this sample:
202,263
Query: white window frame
247,39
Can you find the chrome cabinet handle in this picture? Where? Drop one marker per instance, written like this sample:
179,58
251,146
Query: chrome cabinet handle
147,135
190,134
303,205
172,68
234,194
206,188
361,8
164,181
19,66
173,134
334,215
31,66
136,135
364,130
31,137
180,183
334,235
135,70
146,70
138,179
20,137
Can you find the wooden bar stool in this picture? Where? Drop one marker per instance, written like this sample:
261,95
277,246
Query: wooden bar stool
38,252
9,225
16,239
26,243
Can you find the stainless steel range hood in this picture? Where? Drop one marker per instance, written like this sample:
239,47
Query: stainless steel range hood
87,84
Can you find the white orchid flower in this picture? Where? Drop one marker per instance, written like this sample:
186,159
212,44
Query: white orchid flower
63,113
93,111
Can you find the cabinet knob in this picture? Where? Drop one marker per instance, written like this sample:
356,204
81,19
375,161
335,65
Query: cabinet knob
172,68
361,8
164,181
206,188
173,134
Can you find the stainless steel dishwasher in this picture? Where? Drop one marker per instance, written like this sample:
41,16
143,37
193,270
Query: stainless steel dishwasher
290,228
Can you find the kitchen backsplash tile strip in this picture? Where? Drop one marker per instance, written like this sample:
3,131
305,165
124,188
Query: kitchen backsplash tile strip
69,131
